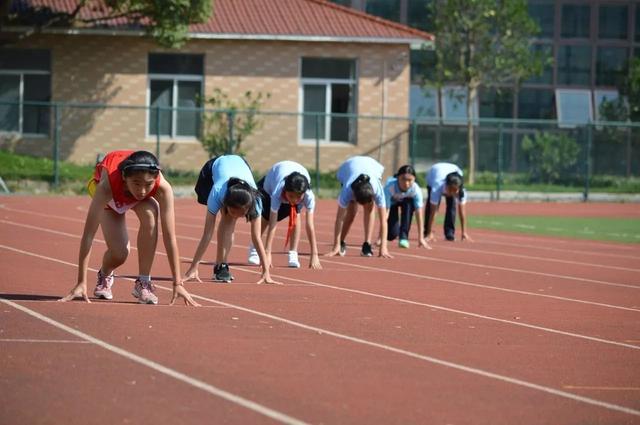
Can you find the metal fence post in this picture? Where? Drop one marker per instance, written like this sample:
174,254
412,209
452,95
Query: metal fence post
500,165
56,146
318,152
158,133
412,144
231,121
587,162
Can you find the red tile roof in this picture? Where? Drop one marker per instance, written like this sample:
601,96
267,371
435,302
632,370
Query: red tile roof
288,19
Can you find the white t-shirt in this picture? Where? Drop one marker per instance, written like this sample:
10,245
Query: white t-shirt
351,169
274,184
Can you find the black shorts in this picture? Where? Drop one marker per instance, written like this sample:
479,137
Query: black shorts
283,212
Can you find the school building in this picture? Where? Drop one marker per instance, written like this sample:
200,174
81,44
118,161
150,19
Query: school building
308,55
591,43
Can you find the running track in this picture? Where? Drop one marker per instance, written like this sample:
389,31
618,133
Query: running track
510,329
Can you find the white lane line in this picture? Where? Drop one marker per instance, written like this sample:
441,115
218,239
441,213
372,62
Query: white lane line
430,359
278,237
419,276
478,285
371,294
508,269
548,248
241,401
553,260
47,341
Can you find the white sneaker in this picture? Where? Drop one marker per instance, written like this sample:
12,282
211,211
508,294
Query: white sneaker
293,260
254,258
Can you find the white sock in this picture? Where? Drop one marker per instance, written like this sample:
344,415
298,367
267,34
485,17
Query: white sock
144,278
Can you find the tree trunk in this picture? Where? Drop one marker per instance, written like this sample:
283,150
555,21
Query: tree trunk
472,94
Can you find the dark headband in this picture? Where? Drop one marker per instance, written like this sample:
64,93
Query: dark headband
150,167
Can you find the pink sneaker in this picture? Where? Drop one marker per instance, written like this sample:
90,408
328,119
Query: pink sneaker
103,288
144,292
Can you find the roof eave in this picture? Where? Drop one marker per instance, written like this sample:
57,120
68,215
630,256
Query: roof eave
414,42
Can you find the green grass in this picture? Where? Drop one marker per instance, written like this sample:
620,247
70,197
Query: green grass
602,229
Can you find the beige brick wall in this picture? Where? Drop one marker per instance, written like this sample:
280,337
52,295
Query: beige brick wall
113,70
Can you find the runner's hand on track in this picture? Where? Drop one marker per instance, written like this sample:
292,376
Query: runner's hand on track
79,291
179,291
192,273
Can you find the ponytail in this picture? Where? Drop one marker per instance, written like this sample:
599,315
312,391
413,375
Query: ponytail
362,189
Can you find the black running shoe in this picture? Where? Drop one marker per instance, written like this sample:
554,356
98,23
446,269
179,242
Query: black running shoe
450,236
366,250
221,273
343,248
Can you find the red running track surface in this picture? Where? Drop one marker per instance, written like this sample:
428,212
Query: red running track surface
509,329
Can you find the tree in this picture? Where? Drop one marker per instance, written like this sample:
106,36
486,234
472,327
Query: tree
483,42
230,122
167,21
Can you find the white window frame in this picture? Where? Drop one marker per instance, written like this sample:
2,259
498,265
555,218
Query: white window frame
175,78
444,98
21,73
327,82
561,95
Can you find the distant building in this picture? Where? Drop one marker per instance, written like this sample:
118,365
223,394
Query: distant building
309,55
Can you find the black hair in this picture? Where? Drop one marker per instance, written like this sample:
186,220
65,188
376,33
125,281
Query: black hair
296,182
362,189
140,162
241,195
453,179
405,169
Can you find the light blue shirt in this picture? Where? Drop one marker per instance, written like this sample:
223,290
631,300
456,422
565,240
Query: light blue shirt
351,169
393,194
274,184
436,178
222,170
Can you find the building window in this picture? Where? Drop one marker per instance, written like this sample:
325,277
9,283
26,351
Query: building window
419,14
574,107
536,104
25,76
496,103
547,71
637,32
328,86
454,105
599,98
175,82
387,9
611,64
612,22
423,102
574,65
542,12
576,19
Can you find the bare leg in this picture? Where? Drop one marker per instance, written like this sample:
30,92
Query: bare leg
114,232
147,212
368,221
352,210
295,238
225,237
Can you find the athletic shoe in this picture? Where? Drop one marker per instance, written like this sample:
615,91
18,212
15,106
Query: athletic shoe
254,258
343,248
103,287
145,292
403,243
450,236
221,273
293,260
366,250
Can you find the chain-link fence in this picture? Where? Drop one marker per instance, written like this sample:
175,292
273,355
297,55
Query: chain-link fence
519,155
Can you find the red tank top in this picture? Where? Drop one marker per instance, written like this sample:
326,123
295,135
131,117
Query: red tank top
121,199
